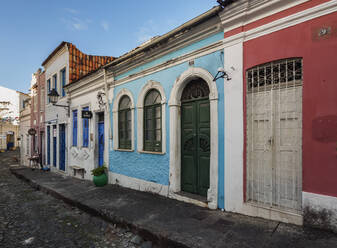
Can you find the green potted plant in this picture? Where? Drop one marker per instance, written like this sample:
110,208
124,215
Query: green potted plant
100,177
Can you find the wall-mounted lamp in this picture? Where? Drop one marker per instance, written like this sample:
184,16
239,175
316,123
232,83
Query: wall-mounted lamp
221,74
53,98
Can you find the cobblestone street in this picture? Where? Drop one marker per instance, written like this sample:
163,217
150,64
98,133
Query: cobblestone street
30,218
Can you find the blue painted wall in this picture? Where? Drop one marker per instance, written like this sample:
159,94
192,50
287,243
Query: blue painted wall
153,167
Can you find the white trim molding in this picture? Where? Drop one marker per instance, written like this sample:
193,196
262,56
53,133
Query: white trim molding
233,147
282,23
121,93
320,210
175,131
140,116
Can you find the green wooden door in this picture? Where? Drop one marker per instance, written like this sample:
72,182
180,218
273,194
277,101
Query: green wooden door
195,146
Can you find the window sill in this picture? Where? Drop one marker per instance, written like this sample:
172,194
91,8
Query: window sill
149,152
124,150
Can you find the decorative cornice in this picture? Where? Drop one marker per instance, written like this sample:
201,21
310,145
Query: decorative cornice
60,51
243,12
288,21
178,60
190,36
86,82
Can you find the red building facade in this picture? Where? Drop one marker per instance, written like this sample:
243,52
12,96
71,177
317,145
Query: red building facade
37,120
289,110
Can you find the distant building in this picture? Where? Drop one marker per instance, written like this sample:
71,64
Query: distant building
37,91
9,118
25,138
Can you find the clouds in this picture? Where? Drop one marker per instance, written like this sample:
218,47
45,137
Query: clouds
77,21
105,25
150,29
71,11
147,31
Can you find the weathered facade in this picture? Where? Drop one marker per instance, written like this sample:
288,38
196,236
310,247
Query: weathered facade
144,151
37,119
235,109
63,66
280,110
24,126
9,118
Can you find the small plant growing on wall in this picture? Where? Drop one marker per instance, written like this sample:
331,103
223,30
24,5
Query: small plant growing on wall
100,177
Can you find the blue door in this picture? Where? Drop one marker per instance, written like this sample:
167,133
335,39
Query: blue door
48,145
54,146
100,143
62,147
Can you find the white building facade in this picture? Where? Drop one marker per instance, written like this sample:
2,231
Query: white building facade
56,118
88,137
25,138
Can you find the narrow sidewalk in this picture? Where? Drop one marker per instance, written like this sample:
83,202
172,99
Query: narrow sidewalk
170,223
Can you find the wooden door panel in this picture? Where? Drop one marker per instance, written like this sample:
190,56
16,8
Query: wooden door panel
203,175
195,121
188,173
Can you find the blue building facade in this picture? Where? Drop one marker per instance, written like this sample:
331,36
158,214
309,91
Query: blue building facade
158,170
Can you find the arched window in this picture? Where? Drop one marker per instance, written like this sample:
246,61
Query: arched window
124,123
152,122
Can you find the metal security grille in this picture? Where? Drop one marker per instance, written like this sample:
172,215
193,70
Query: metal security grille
274,134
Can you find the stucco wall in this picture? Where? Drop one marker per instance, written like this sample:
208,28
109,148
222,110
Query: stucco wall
155,167
319,94
56,115
86,157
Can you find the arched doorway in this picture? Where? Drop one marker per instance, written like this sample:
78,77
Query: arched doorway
195,138
175,103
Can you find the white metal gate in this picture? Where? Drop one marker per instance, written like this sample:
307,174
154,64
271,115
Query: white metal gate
274,134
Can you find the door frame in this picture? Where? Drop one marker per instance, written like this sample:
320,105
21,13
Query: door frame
65,146
194,102
175,132
97,138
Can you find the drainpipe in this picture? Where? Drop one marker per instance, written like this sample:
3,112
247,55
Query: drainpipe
108,108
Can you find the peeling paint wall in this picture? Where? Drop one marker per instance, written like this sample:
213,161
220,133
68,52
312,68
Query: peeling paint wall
319,93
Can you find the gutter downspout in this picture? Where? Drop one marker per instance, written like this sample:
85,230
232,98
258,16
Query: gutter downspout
107,97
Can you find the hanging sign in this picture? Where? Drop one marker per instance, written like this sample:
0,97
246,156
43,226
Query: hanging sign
86,114
31,131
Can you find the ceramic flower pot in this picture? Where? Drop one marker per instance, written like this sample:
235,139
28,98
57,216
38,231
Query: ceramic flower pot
100,180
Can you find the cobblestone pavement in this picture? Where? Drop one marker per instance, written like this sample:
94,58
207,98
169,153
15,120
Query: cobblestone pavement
30,218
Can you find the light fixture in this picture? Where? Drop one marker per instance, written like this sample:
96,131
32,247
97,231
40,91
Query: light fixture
221,74
100,99
53,98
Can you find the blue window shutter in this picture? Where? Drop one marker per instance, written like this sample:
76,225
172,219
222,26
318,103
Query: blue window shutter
48,145
55,82
48,89
85,130
63,76
74,127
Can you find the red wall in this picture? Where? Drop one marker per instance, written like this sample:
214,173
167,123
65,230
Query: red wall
319,93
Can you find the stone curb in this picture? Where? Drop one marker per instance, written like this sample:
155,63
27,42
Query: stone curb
156,237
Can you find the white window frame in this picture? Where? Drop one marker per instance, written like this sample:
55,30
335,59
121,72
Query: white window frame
121,93
140,117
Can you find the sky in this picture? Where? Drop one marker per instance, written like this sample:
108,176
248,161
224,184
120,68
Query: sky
31,29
